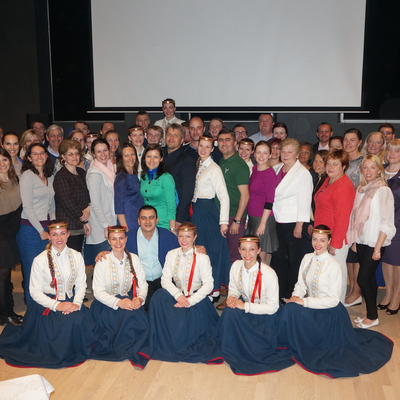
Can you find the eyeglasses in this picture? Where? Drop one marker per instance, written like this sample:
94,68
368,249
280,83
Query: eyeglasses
305,152
42,153
72,154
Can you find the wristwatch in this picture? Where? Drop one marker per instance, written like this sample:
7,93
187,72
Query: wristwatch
237,221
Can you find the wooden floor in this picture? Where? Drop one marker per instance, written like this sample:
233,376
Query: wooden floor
161,380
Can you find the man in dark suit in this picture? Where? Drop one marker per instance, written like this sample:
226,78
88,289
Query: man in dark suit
324,133
182,167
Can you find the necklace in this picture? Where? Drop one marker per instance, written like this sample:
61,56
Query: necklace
330,181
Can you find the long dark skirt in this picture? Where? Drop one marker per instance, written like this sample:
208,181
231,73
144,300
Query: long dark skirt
324,342
249,343
206,218
122,334
49,341
183,334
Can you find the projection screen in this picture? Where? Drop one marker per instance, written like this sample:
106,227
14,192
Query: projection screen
228,53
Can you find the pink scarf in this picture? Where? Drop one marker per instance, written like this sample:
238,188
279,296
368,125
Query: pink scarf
107,170
361,210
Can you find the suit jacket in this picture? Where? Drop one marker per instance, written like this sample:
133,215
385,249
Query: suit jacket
182,167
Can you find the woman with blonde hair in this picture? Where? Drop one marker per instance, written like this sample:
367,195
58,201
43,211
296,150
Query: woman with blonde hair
375,144
371,229
28,137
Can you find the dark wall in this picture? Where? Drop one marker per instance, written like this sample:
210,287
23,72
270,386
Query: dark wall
19,90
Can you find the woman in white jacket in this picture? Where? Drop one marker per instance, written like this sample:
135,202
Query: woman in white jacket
100,182
292,207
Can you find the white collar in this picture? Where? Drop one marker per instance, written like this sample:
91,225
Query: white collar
321,257
254,268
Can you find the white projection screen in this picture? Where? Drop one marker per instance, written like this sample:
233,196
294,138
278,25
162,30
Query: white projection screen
228,53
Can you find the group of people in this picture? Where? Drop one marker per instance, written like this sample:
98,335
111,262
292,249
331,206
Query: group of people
252,203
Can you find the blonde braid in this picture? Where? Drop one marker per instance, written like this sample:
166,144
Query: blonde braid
133,272
51,265
198,164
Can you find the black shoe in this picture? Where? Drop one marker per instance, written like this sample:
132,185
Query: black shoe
85,300
382,306
10,320
216,299
392,312
17,316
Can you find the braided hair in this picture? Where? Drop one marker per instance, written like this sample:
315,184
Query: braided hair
51,265
198,164
133,272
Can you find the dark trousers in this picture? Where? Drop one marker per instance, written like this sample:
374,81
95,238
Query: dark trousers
233,240
366,277
76,242
153,286
286,260
6,304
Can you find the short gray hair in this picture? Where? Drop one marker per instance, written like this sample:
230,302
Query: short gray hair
176,126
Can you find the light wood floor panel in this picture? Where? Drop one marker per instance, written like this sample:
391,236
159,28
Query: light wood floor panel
102,380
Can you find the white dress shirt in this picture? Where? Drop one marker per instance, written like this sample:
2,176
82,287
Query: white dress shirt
242,282
113,277
178,266
210,182
69,269
320,279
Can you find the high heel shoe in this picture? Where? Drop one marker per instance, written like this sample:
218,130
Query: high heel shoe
382,306
392,312
354,303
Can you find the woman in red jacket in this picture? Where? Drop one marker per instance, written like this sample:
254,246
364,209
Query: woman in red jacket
333,204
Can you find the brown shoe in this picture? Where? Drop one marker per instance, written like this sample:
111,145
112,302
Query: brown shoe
222,305
223,291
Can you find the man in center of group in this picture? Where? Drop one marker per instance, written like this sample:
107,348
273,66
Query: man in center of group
182,167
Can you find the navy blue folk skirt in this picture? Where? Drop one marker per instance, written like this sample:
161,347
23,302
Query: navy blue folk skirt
49,341
206,218
122,334
324,342
249,343
183,334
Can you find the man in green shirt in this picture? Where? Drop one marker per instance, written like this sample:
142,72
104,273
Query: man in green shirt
236,174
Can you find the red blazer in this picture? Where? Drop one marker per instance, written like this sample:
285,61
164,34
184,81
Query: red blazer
333,205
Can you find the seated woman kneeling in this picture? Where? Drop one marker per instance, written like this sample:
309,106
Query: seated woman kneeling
57,330
248,325
120,289
183,321
316,327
